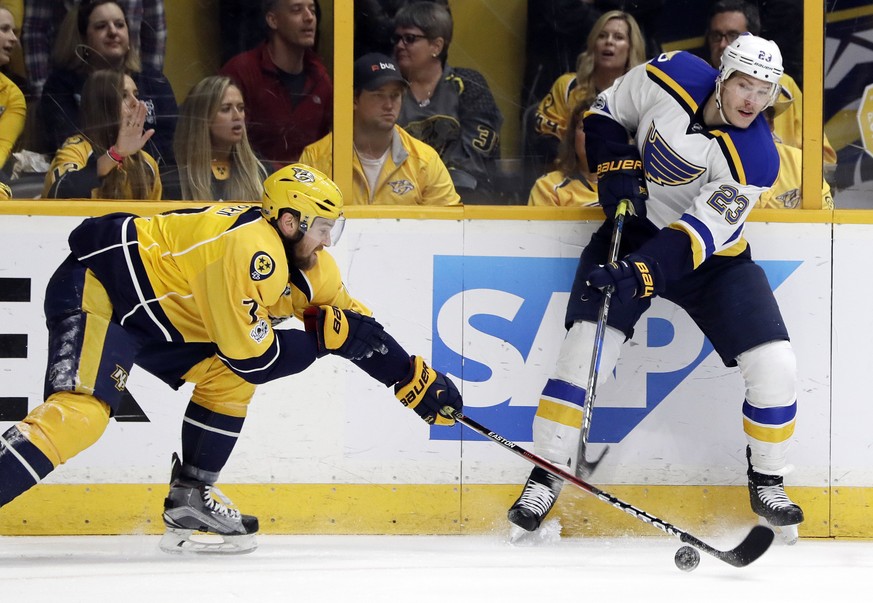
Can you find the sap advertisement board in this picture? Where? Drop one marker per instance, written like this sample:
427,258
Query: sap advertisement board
485,299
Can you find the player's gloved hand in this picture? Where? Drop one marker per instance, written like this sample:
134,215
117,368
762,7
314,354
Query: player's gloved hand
633,277
427,391
345,332
623,178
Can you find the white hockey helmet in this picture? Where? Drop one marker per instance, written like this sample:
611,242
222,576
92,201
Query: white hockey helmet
755,57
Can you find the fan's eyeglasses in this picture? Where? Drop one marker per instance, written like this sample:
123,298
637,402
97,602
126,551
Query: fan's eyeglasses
408,39
715,37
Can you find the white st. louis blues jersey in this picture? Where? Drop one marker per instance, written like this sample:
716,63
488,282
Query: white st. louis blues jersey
702,181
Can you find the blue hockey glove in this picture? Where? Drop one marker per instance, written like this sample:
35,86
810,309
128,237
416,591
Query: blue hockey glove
623,178
345,332
427,391
633,277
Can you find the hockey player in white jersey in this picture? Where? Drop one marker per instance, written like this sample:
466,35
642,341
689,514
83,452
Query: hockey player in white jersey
702,155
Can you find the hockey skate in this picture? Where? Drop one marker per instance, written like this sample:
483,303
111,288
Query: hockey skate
537,499
199,519
772,505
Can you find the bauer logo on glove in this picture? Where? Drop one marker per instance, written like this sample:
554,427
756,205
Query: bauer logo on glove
427,392
635,276
345,332
620,165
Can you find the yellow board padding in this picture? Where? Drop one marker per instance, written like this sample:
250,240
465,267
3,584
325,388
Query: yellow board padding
349,509
851,515
89,207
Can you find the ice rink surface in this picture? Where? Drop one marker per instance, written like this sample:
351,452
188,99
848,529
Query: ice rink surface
425,569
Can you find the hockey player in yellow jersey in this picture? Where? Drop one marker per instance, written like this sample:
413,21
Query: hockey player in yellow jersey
192,296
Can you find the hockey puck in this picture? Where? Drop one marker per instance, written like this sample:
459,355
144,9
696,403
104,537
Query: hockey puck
687,558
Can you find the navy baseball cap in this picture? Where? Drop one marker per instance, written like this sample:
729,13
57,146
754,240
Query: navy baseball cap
374,70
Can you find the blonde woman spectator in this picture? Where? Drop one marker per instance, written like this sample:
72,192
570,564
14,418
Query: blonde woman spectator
13,109
571,184
615,44
96,36
215,159
107,161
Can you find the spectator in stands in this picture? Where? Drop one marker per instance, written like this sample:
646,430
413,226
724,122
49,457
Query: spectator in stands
571,184
557,31
390,166
95,36
215,160
107,161
13,109
288,92
615,44
727,20
43,18
786,191
450,108
374,24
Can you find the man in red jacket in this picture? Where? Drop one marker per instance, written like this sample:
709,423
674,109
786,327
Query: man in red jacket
286,88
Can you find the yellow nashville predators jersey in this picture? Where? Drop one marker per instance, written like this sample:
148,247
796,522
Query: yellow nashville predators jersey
215,274
557,189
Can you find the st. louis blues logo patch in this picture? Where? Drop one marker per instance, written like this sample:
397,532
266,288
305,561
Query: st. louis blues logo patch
262,266
665,166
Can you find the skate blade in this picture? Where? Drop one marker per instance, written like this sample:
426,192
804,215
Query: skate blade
548,533
786,534
517,534
177,541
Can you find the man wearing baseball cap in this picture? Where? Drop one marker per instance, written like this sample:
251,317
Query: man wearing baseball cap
390,166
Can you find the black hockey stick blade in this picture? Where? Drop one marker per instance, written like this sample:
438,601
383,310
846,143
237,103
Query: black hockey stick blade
753,546
584,467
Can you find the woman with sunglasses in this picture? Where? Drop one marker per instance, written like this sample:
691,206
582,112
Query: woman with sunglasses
450,108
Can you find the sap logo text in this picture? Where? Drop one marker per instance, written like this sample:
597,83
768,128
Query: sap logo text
498,324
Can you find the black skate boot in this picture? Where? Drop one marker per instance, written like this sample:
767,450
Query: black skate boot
199,519
771,504
537,499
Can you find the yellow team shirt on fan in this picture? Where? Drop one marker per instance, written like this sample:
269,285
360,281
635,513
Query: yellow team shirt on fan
413,173
557,190
553,112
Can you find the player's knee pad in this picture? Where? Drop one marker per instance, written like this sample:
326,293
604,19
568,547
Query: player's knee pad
770,374
219,389
574,361
65,424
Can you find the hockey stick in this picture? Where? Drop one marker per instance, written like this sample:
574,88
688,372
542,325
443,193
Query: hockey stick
584,467
753,546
